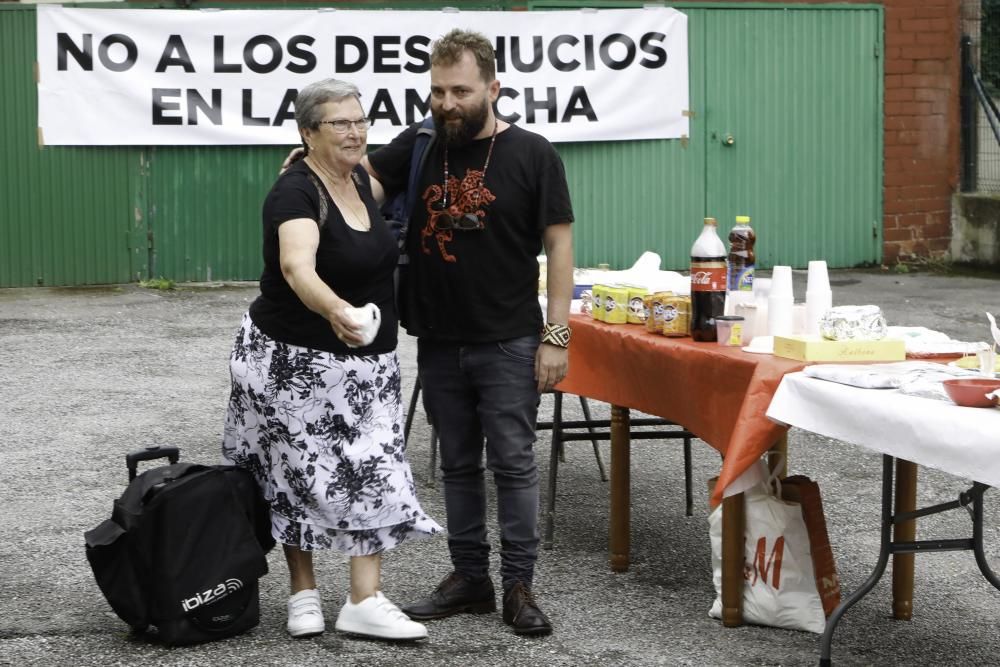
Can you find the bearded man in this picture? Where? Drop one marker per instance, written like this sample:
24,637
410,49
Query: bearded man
491,197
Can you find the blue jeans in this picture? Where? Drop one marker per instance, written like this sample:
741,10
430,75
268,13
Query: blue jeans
476,394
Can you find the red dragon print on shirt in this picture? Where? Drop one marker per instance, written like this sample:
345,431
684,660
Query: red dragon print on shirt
469,195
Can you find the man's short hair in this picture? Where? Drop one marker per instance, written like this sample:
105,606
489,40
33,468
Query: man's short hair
448,50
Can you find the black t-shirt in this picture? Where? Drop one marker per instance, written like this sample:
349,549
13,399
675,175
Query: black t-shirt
478,285
357,265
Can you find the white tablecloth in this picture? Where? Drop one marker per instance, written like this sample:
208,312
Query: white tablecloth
961,441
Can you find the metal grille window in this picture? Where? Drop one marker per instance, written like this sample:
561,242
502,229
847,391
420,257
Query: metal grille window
981,96
990,41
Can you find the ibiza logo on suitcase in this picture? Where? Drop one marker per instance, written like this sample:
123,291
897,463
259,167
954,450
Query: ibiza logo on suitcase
212,594
180,557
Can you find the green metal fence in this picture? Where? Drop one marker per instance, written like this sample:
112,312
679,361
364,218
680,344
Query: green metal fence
66,212
798,86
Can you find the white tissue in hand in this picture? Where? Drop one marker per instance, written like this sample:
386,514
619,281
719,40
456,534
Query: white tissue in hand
369,317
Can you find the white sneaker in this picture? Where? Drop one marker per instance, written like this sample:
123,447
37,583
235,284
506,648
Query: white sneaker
377,617
305,614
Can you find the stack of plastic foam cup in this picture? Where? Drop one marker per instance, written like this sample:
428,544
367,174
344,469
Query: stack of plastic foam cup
780,300
819,297
761,290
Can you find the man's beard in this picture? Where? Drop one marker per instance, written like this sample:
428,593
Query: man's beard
464,132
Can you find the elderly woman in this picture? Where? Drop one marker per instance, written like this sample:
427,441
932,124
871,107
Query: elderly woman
315,411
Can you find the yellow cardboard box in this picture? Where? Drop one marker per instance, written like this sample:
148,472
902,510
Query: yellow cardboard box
814,348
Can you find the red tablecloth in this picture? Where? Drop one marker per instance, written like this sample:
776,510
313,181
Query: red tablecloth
718,393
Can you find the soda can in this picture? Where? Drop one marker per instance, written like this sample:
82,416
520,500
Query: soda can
676,316
616,305
597,301
647,306
636,313
654,320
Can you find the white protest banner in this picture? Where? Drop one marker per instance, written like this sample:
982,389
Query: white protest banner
209,77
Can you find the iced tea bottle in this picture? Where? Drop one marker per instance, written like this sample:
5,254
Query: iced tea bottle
741,257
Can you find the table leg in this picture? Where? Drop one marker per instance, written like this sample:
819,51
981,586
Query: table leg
902,564
826,643
733,519
619,518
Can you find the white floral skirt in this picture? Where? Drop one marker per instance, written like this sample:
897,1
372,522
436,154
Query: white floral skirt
323,435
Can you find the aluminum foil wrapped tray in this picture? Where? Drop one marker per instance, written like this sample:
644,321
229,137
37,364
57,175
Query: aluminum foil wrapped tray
853,323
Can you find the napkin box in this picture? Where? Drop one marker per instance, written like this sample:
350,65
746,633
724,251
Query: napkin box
814,348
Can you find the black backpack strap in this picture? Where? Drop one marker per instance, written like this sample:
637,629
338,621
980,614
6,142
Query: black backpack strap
426,136
421,148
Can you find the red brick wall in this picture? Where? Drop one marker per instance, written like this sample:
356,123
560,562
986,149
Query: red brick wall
921,123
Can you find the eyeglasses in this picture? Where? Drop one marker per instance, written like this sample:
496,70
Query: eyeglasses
343,125
445,221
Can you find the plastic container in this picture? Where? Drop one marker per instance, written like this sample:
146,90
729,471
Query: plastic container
729,330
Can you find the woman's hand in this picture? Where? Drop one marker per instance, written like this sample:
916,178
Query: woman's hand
294,156
343,325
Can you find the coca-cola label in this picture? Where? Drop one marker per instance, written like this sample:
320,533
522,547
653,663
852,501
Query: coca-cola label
708,276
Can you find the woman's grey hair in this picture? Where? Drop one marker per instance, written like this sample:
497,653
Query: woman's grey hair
312,97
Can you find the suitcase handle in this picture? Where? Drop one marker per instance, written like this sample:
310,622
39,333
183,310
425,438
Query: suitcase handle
148,454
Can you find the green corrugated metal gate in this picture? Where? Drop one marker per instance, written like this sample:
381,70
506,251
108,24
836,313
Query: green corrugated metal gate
797,87
66,214
799,90
205,209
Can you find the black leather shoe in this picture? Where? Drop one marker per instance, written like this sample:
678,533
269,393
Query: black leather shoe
521,612
456,594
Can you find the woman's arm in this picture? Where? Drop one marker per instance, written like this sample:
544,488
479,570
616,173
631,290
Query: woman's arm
298,241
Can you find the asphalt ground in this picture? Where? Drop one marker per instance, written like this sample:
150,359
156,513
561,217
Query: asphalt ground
89,374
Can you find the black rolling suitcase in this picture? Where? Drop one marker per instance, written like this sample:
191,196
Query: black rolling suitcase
182,553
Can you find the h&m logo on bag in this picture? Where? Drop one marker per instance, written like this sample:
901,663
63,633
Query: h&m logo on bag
227,587
761,566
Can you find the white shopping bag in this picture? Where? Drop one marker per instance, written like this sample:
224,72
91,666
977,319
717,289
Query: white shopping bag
779,587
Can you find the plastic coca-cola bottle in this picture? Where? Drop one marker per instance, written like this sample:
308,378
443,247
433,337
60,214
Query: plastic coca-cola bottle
741,256
708,281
